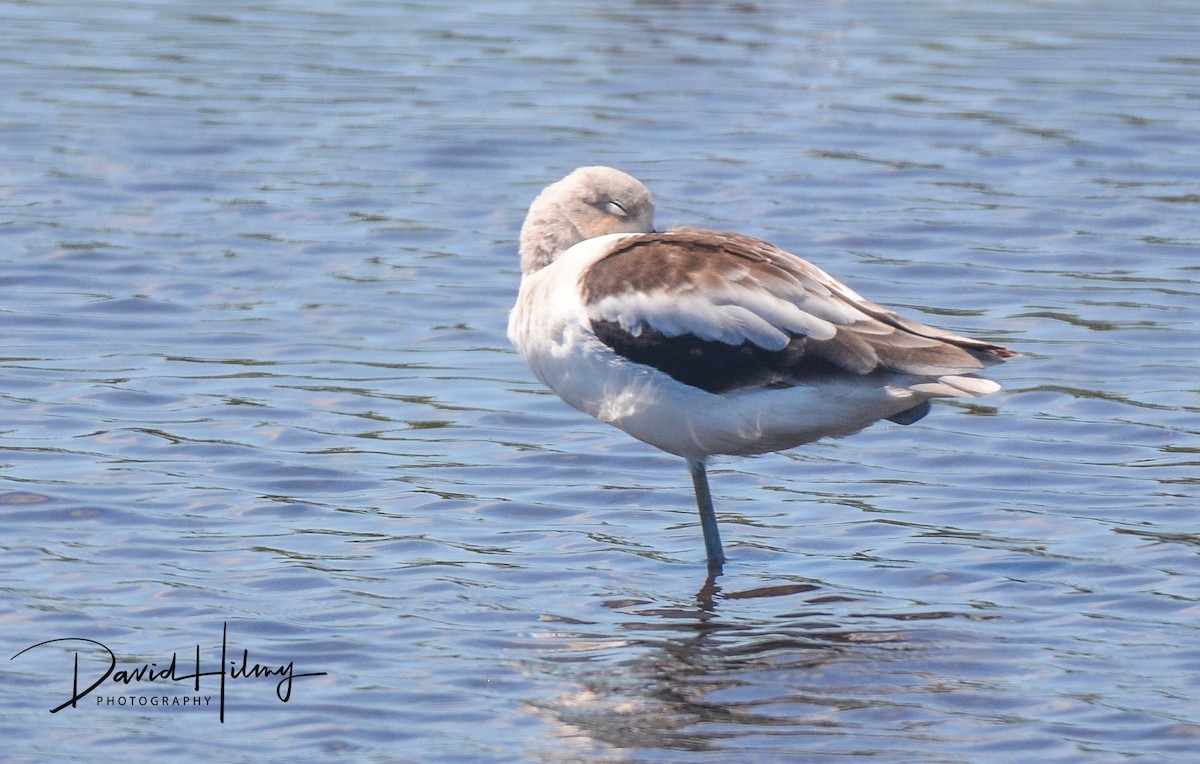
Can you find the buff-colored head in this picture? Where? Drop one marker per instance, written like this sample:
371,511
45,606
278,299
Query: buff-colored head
590,202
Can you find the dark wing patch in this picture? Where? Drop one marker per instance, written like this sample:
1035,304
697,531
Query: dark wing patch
712,366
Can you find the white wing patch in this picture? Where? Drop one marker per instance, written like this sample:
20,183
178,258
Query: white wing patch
733,315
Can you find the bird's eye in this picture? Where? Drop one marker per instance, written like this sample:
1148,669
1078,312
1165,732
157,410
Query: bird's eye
616,208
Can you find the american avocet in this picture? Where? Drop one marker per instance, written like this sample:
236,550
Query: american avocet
701,342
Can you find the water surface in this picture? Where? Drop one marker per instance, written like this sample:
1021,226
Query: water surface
256,262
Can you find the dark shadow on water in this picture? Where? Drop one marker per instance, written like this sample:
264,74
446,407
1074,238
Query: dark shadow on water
700,678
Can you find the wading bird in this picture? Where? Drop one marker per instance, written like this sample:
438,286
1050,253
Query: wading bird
702,342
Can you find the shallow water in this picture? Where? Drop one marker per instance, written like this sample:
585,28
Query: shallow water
256,262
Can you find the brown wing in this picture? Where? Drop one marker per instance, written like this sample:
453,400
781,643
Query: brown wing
722,311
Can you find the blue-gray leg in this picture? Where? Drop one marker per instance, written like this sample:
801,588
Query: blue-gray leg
708,518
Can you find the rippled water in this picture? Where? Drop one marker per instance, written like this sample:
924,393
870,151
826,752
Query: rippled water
256,261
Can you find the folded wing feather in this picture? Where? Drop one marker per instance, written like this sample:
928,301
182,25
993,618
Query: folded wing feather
722,311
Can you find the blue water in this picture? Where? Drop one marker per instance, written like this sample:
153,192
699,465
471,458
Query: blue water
255,266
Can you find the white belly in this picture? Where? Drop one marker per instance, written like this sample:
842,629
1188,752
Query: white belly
689,422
